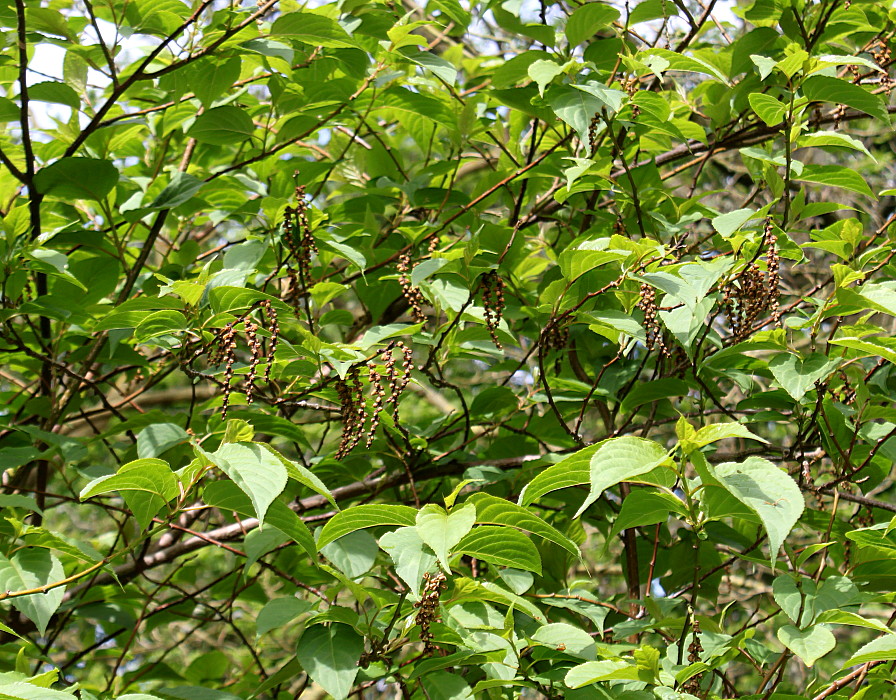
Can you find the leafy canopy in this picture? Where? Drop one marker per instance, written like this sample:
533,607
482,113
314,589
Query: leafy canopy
462,349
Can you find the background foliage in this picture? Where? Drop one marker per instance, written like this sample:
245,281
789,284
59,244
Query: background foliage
494,348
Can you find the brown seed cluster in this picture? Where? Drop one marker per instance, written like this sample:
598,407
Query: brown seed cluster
298,240
411,293
652,327
755,292
493,303
428,608
592,134
555,335
695,648
226,346
631,85
357,421
882,56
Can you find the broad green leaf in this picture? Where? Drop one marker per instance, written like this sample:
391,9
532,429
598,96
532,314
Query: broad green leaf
565,637
797,375
501,546
213,77
442,531
145,484
154,439
789,597
836,176
642,507
822,88
301,474
621,459
766,490
727,224
178,191
412,558
329,654
223,126
312,29
51,91
353,554
20,690
362,516
809,644
543,72
227,496
496,511
595,671
260,475
26,570
714,432
881,649
769,109
586,20
77,178
574,470
842,617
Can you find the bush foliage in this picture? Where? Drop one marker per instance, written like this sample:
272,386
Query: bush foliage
468,349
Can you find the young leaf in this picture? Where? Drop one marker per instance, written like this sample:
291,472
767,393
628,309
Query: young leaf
441,530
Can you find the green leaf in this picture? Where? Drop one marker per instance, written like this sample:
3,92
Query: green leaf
21,690
574,107
595,671
788,596
178,191
260,475
222,126
353,554
28,569
769,109
301,474
227,496
729,223
59,93
586,20
574,470
642,507
77,178
501,546
822,88
766,490
154,439
573,640
621,459
362,516
797,375
836,176
329,654
714,432
145,484
543,72
881,649
412,558
441,530
313,29
496,511
214,77
809,644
